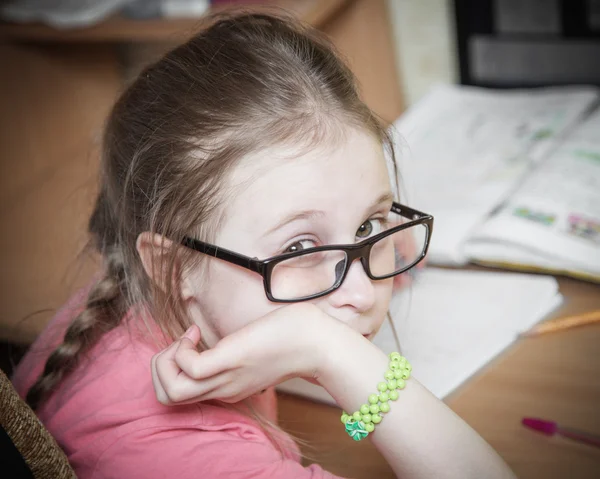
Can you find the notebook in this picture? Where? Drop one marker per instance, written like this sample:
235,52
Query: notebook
552,221
462,318
512,177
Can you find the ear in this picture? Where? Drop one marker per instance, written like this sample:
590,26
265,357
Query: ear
155,251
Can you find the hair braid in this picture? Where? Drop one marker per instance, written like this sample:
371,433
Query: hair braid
105,306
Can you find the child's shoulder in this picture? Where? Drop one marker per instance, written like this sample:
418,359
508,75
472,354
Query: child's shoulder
32,364
107,408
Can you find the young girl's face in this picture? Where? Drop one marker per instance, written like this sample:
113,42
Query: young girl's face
286,197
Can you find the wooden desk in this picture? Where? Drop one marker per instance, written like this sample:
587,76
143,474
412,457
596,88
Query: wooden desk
556,376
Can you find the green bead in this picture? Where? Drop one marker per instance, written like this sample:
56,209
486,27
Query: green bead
394,395
398,373
356,430
373,399
401,384
374,409
345,418
402,362
369,427
384,397
393,356
384,407
408,367
394,365
357,416
376,418
389,374
364,409
382,387
366,418
392,384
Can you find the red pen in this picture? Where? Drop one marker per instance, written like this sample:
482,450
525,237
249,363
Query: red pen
550,428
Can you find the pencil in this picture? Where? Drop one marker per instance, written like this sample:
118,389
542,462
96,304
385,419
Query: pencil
560,324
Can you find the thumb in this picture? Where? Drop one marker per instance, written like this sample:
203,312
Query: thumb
192,334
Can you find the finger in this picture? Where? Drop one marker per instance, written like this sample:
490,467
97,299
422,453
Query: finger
193,334
205,364
165,363
161,384
168,354
185,390
163,366
233,391
159,391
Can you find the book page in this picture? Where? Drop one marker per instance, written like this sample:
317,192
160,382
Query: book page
462,150
458,318
553,219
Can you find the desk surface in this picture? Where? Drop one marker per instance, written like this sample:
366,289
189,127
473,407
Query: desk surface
555,376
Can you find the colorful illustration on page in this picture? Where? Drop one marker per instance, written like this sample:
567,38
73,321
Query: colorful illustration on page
541,217
586,228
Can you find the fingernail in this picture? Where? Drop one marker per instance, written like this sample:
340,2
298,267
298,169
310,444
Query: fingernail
188,333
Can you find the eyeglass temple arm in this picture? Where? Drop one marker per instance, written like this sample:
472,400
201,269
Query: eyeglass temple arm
252,264
407,211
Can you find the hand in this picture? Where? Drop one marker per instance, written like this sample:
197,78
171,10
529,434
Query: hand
283,344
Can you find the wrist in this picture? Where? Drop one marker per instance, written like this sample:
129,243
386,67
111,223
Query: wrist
335,339
351,367
314,339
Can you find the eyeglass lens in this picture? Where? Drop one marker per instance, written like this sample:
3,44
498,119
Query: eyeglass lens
317,272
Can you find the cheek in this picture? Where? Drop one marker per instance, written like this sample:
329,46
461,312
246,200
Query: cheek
383,296
233,298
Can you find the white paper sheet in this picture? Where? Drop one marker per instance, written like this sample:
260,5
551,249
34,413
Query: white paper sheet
458,318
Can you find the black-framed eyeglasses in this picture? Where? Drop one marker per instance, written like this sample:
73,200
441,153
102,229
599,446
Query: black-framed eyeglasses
314,272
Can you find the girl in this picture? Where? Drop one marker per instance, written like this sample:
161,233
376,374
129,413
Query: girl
247,142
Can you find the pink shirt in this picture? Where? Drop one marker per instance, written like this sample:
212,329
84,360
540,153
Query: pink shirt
106,418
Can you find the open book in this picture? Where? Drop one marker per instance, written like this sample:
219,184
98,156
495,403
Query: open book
511,177
552,221
474,316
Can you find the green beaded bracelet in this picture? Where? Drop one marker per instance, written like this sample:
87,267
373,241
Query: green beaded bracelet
362,422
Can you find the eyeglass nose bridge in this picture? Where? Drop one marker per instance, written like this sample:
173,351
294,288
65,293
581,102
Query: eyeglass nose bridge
361,252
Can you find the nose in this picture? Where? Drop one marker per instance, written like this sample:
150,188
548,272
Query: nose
357,290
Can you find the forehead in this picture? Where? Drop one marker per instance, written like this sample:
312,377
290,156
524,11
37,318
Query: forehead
348,174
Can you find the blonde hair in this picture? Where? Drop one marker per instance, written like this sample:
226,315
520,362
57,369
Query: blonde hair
246,82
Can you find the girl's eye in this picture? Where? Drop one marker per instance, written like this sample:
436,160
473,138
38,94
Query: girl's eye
370,228
300,246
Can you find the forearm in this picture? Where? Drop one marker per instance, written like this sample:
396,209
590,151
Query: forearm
420,436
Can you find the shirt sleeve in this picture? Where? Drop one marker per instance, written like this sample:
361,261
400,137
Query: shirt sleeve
195,454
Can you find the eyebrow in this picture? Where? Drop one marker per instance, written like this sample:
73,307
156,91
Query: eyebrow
313,214
301,215
385,198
